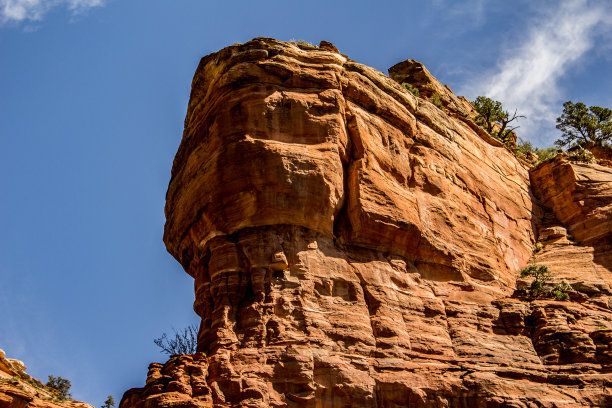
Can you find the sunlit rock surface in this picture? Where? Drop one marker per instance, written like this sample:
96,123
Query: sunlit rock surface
356,246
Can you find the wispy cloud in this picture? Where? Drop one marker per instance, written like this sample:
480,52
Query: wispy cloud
528,75
34,10
468,14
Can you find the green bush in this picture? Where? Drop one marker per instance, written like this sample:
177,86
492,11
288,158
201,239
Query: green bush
523,148
35,383
561,291
411,88
435,99
304,43
61,385
547,153
541,275
581,155
13,380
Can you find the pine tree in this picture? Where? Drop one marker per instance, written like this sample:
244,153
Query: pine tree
495,120
584,126
61,385
110,402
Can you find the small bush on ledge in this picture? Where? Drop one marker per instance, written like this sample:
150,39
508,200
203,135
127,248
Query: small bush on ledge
540,275
538,288
561,291
580,155
435,99
524,150
411,88
304,44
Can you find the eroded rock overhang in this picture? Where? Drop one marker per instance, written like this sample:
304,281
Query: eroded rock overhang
280,135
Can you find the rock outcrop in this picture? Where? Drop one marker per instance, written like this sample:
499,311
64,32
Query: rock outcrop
578,226
19,390
353,245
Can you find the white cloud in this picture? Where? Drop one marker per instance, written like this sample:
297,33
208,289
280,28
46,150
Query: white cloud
469,14
528,75
34,10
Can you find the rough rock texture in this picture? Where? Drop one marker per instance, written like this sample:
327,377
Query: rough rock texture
355,246
602,154
580,196
276,135
577,230
19,390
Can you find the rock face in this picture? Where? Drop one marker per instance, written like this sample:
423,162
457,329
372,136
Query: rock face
20,390
578,225
356,246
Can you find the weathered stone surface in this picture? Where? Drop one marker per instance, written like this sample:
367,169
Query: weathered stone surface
355,246
603,154
580,197
578,234
415,74
179,382
278,135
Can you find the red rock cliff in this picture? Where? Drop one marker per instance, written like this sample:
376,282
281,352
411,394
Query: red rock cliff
356,246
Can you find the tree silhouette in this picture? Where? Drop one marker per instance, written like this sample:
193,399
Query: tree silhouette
184,341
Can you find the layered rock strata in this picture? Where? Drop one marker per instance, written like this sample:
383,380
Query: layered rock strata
578,234
356,246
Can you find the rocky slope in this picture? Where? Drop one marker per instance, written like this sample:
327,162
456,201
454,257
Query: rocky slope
19,390
356,246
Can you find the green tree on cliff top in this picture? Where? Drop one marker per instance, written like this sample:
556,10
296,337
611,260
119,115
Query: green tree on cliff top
495,120
61,385
583,126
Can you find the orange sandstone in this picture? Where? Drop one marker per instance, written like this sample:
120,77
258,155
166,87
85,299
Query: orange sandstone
353,245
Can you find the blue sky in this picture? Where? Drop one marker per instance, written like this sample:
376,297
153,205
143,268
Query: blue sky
93,95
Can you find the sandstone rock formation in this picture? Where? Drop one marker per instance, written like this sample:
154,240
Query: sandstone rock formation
603,154
356,246
579,202
19,390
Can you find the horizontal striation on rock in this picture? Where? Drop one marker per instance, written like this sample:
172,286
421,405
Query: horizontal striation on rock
278,135
353,245
580,197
